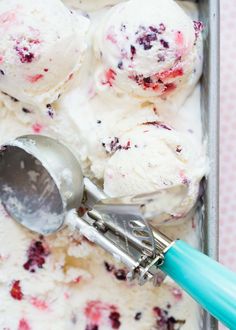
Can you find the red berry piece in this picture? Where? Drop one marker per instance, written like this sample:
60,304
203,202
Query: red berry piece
179,39
169,88
171,74
96,311
146,39
177,293
110,76
16,291
93,311
112,38
35,78
198,27
39,304
24,50
23,325
24,54
115,320
37,128
164,321
36,256
91,327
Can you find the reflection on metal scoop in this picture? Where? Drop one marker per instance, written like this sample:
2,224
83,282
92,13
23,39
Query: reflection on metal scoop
41,180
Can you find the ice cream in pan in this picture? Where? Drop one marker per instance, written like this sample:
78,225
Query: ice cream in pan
63,281
39,198
90,4
37,40
150,50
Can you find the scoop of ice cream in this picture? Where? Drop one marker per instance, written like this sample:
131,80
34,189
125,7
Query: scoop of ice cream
149,50
90,4
41,49
153,157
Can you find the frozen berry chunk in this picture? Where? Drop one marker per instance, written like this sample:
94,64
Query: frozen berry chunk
115,320
16,291
36,256
24,325
164,321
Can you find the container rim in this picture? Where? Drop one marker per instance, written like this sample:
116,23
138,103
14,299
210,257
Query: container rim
209,13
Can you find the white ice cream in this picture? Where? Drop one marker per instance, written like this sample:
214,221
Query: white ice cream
41,49
152,157
90,4
78,286
63,282
148,51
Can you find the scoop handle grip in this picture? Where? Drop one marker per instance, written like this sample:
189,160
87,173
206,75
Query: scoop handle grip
209,283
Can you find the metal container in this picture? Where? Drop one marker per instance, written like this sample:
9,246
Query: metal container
209,15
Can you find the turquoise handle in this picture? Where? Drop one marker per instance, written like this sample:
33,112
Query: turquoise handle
208,282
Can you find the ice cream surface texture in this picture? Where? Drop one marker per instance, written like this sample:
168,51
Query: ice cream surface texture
153,157
41,49
149,50
90,4
129,140
63,282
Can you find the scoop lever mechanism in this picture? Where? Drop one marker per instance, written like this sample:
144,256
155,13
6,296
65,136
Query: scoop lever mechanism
122,231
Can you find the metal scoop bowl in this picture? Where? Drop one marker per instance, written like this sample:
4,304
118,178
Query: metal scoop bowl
40,180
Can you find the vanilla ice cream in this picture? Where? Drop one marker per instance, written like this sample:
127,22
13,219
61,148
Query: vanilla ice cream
41,49
128,144
90,4
64,282
152,157
150,50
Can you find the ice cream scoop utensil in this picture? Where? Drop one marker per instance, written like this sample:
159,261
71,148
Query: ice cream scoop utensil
42,187
41,180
